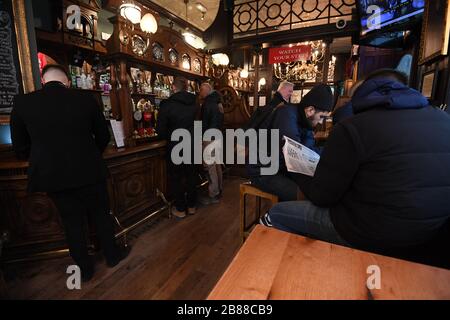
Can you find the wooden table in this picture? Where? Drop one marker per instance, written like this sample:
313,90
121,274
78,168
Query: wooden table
277,265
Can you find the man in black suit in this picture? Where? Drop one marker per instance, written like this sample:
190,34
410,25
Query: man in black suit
63,133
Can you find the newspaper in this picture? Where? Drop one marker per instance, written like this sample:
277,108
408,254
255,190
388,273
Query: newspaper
299,158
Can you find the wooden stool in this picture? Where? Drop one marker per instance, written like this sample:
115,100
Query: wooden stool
245,189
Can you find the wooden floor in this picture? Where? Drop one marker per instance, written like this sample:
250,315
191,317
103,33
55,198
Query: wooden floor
171,259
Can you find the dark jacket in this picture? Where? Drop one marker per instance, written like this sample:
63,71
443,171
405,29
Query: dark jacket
344,112
177,112
212,112
291,122
385,172
260,120
63,133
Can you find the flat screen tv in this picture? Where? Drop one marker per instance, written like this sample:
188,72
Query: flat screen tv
378,14
5,135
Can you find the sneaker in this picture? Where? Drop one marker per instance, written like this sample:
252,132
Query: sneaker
209,200
191,211
177,213
123,253
265,220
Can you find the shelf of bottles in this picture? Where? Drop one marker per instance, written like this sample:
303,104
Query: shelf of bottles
147,91
163,87
239,83
145,111
97,80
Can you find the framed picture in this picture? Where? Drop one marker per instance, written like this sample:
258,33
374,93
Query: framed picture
427,87
435,30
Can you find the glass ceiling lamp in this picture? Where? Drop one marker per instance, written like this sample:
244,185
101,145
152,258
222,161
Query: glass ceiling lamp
148,24
189,37
220,59
187,34
200,7
130,11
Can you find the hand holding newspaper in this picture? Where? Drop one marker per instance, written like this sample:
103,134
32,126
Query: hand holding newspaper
299,158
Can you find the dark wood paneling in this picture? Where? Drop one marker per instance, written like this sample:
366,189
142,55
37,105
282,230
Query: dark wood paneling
32,221
372,58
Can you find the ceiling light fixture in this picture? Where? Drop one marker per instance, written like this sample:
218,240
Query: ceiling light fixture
200,7
149,24
220,59
130,11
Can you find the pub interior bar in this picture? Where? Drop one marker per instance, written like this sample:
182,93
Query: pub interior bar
225,150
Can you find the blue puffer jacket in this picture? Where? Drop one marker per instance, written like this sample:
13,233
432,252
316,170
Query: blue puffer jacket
385,172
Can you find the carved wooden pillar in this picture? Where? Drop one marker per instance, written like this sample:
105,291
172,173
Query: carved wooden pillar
326,61
125,103
256,86
117,114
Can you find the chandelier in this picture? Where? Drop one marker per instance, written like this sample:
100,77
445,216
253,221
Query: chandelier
310,70
331,67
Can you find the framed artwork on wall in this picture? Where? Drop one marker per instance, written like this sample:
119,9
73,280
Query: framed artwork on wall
435,30
428,84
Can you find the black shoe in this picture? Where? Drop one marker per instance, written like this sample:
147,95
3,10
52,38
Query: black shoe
123,253
87,274
206,201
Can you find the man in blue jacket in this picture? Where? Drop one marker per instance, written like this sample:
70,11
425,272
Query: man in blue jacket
295,121
383,180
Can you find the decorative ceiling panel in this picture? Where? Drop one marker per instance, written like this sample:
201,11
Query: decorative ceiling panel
194,15
253,17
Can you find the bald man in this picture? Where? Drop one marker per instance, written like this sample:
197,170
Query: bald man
63,133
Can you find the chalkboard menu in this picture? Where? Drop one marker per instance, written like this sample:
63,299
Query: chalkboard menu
10,79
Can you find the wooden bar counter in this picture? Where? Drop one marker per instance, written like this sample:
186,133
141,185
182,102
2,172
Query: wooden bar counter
32,223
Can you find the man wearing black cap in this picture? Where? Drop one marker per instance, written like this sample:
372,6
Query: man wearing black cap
296,121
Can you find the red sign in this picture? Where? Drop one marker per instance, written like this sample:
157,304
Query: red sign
289,54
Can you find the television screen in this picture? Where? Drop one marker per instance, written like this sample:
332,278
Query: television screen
5,134
376,14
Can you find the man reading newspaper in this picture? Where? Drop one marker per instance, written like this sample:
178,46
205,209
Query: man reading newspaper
383,178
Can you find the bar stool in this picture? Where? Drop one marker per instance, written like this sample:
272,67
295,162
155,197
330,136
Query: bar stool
247,188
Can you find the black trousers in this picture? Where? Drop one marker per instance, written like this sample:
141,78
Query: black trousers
75,206
183,181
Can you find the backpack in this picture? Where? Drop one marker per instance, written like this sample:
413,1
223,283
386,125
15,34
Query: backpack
263,115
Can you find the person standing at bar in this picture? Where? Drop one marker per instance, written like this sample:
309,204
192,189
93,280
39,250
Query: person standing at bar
178,112
212,118
63,133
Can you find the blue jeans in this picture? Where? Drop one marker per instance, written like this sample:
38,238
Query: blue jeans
304,218
278,184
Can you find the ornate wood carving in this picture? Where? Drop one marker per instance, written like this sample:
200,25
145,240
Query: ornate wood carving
121,43
33,223
257,17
